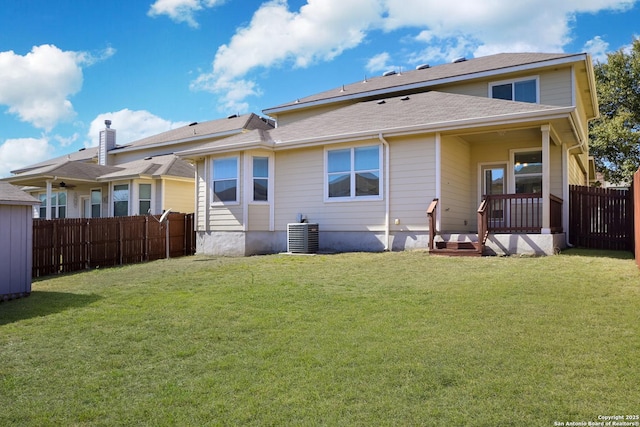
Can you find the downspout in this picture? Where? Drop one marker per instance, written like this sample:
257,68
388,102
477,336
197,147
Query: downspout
387,202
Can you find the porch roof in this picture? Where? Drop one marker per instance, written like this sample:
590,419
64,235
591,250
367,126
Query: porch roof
416,113
11,195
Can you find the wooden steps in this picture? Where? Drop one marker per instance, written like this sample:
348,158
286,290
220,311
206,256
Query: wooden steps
457,248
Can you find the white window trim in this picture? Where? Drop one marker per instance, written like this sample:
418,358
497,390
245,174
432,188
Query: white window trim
512,81
91,190
112,187
249,183
136,196
238,182
512,165
49,205
353,198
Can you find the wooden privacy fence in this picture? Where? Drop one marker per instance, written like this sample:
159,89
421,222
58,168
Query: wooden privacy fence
601,218
636,208
66,245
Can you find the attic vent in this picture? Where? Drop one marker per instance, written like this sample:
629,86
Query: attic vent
423,66
233,116
389,73
406,98
461,59
382,101
193,124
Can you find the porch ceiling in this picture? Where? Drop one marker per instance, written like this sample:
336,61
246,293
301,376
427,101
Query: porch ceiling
561,127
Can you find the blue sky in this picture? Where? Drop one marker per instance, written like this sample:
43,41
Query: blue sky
153,65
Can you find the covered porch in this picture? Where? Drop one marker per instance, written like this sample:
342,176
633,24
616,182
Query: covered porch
513,196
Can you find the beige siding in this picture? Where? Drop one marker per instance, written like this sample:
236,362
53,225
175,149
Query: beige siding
556,87
413,181
479,88
258,217
576,174
456,193
227,217
178,196
201,197
294,116
555,172
299,183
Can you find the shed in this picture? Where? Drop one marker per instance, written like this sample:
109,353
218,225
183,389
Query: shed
16,241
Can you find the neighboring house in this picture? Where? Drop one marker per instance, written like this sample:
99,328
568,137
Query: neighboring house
16,230
135,179
365,161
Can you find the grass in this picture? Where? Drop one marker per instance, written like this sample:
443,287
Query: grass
350,339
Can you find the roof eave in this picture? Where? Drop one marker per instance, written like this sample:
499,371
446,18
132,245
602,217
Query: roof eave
427,84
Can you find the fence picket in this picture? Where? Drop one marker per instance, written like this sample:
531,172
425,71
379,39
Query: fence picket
66,245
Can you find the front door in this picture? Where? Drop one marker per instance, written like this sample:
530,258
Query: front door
494,183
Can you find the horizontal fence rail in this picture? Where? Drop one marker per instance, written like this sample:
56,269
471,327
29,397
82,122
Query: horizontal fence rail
520,213
601,218
67,245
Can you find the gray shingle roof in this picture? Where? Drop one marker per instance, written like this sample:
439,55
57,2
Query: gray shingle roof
82,155
415,79
11,195
167,165
420,110
211,128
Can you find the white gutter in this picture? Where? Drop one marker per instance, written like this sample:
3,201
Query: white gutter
387,192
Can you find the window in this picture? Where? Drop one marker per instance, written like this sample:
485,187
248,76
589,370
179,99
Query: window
57,204
528,171
121,200
96,203
144,198
353,172
520,90
260,179
225,180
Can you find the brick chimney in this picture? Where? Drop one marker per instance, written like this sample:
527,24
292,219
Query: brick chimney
107,143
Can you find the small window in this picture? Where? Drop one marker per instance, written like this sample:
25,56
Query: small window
96,203
528,171
144,198
353,172
57,204
225,180
520,90
121,200
260,179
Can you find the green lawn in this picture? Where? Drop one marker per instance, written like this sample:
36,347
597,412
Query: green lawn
396,339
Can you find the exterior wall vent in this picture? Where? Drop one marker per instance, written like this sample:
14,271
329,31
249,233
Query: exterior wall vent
302,238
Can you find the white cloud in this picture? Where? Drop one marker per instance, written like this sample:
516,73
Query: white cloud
181,10
37,86
130,126
20,152
319,31
598,49
379,62
323,29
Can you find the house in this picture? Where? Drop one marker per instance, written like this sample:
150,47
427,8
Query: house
489,146
134,179
16,230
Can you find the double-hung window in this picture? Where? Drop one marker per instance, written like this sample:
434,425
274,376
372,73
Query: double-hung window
527,170
260,179
523,90
353,173
121,200
225,180
57,204
96,203
144,198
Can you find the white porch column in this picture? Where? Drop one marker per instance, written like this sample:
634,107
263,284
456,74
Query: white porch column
48,202
546,178
438,178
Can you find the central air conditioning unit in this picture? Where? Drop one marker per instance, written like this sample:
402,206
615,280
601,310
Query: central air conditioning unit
302,238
